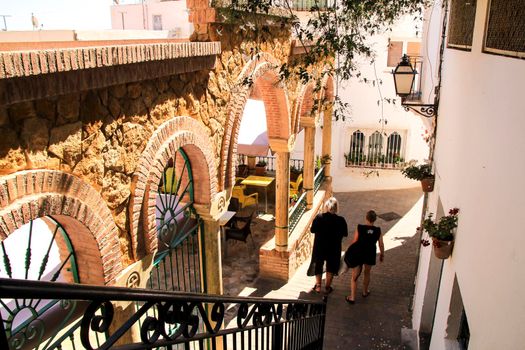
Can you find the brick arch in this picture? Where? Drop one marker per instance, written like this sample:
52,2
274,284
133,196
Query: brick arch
175,133
307,97
263,72
76,205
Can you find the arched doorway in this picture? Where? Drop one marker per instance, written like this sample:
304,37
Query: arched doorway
44,250
177,262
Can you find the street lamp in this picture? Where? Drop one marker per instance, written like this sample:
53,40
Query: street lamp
404,75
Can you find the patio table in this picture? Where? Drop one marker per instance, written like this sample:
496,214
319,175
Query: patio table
259,181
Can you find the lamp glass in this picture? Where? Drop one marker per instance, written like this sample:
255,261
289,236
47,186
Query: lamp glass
404,76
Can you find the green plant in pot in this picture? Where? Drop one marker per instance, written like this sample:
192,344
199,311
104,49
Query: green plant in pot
442,232
421,173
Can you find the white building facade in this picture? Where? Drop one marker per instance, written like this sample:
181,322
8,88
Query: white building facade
476,298
169,16
377,136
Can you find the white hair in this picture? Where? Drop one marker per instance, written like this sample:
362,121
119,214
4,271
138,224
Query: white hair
331,205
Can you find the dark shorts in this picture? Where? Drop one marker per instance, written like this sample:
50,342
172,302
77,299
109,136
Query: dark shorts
332,264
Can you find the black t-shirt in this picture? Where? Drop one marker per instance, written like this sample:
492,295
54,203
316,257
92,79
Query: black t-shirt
329,230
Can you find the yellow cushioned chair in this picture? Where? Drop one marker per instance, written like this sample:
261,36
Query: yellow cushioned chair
245,199
295,185
169,181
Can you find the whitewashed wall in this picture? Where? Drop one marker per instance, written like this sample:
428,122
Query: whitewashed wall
365,114
140,16
479,169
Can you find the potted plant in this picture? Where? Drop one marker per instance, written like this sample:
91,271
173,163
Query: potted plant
326,159
441,232
260,168
421,173
293,199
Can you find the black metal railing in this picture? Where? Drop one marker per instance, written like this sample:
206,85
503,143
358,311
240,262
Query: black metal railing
296,164
109,315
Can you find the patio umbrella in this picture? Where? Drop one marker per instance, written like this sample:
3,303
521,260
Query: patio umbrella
253,136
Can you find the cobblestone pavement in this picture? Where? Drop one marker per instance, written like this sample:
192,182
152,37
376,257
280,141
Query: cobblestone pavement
371,323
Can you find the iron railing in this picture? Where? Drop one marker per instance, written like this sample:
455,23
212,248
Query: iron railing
307,5
318,179
297,210
199,321
297,164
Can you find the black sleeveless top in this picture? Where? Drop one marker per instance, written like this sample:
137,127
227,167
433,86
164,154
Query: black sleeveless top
364,250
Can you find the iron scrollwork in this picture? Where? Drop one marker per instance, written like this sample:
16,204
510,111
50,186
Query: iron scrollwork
427,111
162,318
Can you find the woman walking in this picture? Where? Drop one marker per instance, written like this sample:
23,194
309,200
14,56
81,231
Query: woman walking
329,229
363,252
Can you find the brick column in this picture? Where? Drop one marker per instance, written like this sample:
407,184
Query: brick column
327,139
282,192
308,171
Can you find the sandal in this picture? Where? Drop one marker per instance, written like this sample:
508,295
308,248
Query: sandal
366,294
328,290
316,288
349,301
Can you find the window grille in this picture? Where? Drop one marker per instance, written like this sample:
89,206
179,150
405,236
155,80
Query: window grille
369,149
461,24
505,28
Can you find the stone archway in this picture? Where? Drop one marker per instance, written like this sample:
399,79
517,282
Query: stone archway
180,132
79,208
262,72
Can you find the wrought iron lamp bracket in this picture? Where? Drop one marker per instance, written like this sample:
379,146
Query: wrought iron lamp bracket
426,110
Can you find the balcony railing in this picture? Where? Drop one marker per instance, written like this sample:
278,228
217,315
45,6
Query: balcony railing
381,162
307,5
270,162
196,321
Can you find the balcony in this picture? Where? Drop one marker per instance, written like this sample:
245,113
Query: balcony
307,5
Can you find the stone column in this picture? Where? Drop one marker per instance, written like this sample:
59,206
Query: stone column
282,193
308,171
134,276
211,255
327,139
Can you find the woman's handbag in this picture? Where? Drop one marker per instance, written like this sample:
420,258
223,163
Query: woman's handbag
343,267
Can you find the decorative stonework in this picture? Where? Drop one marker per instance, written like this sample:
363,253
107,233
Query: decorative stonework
92,55
28,195
175,133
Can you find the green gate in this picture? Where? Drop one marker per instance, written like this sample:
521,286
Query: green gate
177,262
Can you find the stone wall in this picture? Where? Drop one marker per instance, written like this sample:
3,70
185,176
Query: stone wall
99,135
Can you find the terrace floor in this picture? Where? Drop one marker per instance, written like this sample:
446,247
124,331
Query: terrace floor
372,323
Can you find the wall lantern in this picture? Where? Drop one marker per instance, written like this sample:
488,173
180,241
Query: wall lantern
404,76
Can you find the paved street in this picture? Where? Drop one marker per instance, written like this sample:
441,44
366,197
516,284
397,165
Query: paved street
374,322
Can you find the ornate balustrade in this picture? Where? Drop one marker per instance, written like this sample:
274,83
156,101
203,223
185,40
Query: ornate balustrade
162,319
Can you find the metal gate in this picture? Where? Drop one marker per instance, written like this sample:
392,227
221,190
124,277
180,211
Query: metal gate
177,264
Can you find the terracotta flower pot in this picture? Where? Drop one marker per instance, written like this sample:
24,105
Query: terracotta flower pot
442,249
427,184
260,170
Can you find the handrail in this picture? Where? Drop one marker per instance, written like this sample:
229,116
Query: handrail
296,212
318,179
194,317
